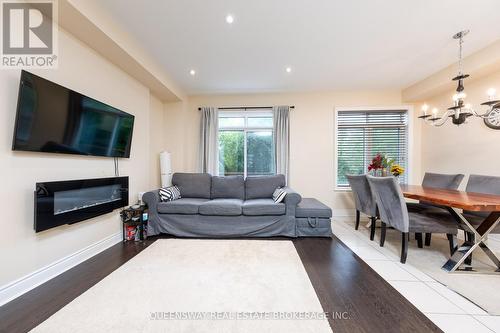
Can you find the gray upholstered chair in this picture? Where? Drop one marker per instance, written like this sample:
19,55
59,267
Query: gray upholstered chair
364,200
485,185
435,180
392,209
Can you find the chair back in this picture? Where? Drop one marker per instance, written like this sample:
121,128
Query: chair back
363,198
485,185
390,202
439,180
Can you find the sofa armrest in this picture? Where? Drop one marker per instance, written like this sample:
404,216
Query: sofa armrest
292,199
152,198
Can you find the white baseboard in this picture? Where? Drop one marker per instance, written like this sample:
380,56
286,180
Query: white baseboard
343,212
20,286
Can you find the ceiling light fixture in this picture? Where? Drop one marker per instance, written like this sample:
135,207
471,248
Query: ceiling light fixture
288,69
461,111
229,19
192,72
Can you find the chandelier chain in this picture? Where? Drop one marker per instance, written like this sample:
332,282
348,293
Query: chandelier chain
460,61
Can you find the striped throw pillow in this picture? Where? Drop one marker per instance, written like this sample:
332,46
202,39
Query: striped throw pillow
169,193
278,195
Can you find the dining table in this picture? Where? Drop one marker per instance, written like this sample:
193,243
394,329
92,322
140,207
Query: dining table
455,202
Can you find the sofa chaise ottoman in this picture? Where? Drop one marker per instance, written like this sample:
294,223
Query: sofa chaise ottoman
225,207
313,218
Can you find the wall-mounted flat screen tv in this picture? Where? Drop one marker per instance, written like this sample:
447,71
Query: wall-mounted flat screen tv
52,118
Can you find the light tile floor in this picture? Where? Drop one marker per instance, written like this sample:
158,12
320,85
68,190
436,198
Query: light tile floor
447,309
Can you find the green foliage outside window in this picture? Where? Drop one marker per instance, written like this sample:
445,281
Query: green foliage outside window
260,153
231,152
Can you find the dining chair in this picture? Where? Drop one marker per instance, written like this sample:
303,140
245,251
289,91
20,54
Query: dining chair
363,200
393,212
485,185
435,180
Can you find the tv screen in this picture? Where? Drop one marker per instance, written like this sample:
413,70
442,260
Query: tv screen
55,119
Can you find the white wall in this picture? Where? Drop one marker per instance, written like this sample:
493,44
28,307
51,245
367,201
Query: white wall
156,140
177,136
82,69
312,135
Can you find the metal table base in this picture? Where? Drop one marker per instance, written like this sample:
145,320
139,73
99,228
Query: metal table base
457,262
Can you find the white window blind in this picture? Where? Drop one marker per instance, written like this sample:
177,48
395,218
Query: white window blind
363,134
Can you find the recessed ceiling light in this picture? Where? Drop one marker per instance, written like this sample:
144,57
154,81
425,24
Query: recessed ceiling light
192,72
229,18
288,69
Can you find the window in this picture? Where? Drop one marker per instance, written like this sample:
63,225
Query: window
246,144
363,134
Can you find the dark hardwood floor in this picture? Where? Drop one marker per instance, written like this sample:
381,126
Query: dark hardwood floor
346,287
345,283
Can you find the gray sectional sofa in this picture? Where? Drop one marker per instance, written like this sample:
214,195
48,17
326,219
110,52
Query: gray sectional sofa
232,206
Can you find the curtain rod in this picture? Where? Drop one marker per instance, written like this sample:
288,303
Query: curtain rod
247,107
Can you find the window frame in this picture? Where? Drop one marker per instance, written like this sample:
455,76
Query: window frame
410,138
245,113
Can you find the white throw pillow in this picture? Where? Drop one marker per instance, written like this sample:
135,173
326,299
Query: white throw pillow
278,195
169,193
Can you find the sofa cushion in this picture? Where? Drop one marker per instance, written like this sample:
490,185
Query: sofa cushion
221,207
229,187
310,207
256,207
187,206
262,186
193,185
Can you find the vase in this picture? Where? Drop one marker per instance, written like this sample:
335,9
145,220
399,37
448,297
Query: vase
380,172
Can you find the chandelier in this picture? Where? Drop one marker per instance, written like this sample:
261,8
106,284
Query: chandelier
461,111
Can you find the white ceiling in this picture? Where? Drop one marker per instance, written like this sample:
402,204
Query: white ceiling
329,44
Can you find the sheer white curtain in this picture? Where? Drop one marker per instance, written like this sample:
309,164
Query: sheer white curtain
282,139
208,140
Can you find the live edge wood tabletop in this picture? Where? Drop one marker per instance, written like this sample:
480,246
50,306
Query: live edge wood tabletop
451,198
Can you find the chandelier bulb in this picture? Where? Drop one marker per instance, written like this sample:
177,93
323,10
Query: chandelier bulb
491,93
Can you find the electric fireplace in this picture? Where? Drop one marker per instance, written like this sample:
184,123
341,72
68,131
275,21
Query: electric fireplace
68,202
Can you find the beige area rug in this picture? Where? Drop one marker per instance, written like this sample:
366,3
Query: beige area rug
221,285
481,289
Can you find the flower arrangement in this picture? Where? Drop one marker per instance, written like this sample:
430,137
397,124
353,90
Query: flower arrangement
381,163
376,163
397,170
